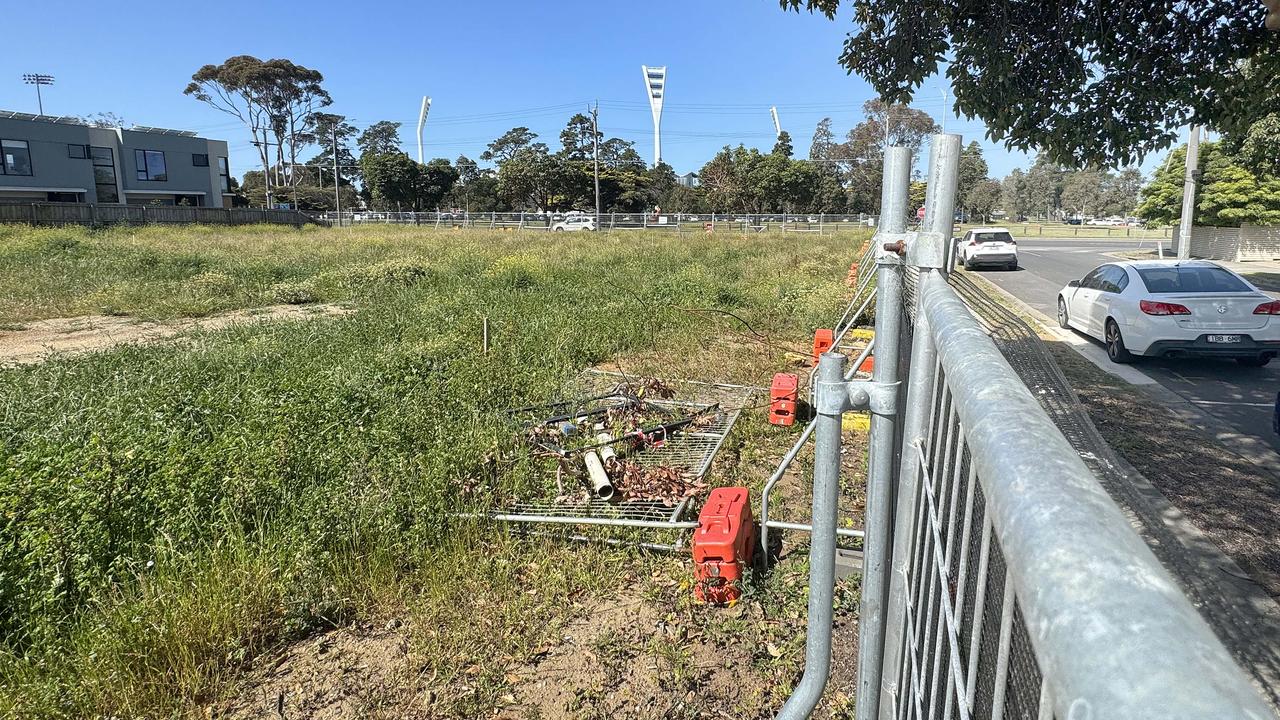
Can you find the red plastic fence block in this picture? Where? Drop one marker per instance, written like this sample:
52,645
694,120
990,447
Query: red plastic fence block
723,545
783,394
823,340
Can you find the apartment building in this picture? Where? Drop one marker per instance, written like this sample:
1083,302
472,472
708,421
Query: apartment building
48,159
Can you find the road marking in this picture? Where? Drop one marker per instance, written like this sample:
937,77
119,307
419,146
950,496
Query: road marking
1233,404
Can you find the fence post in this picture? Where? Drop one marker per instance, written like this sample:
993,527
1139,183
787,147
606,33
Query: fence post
880,464
822,547
944,165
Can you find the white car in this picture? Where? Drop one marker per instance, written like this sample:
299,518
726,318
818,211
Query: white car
1171,308
575,222
987,246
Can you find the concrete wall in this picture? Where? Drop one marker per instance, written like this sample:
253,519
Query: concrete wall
1259,243
53,170
184,177
1241,244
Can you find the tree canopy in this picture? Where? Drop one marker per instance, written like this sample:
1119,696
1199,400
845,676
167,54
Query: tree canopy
1089,82
1230,194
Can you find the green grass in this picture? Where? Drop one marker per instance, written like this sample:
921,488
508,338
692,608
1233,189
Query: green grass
169,512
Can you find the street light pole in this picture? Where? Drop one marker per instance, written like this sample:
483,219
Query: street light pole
266,167
595,152
337,182
38,79
1189,194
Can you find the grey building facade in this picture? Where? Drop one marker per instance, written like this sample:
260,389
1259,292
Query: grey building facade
46,159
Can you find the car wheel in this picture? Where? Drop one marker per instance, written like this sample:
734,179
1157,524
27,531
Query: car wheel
968,263
1063,319
557,229
1254,361
1115,344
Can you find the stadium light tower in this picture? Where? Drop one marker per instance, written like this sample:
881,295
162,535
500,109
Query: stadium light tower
655,84
777,126
422,121
38,79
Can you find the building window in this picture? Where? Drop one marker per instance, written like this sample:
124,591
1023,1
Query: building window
64,197
150,165
200,159
104,174
78,152
16,157
224,174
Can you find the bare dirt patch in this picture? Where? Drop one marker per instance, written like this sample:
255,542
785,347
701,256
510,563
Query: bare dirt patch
355,672
631,658
37,341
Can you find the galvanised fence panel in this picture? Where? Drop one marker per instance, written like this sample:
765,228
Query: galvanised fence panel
1016,586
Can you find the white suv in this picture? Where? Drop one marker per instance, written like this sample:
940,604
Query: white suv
575,222
988,246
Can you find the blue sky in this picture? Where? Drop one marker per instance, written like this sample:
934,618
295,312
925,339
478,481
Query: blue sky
488,66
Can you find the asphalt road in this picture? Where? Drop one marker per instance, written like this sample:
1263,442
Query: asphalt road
1241,397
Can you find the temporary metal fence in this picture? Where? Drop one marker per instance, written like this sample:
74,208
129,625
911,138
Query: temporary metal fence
691,450
93,214
682,222
1000,579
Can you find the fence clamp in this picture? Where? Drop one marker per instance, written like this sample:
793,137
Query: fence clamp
834,398
927,250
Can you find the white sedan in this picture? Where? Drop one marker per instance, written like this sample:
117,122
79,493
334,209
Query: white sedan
1170,308
987,246
575,222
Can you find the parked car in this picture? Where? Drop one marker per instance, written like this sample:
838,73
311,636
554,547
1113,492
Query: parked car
1171,308
1105,222
988,246
1074,221
575,222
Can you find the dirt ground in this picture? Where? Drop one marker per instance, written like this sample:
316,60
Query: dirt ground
625,657
651,653
364,671
37,341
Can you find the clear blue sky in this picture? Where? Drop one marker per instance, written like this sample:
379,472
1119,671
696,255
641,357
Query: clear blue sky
488,66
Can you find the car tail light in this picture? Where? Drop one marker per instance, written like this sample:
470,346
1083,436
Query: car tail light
973,243
1269,308
1151,307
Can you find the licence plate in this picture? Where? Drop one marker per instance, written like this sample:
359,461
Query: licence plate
1224,338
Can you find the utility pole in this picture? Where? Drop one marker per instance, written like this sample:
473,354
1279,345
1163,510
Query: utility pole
1190,179
38,79
595,153
337,179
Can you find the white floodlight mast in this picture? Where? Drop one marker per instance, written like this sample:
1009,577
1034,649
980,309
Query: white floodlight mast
422,122
655,85
777,126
